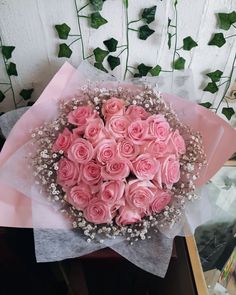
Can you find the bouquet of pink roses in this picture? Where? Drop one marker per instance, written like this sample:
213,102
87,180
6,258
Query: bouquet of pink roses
113,164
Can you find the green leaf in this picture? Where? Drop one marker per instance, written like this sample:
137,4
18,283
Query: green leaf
189,43
142,70
2,96
11,69
145,32
30,103
7,51
111,44
63,31
206,104
64,50
215,76
228,112
100,66
149,14
26,93
97,4
226,20
211,87
169,40
97,20
126,3
218,40
100,54
155,71
113,61
179,63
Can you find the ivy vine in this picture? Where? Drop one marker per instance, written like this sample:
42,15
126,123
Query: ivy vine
11,70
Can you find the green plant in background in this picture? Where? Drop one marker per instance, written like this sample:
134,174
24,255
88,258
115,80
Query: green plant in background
10,68
225,22
63,30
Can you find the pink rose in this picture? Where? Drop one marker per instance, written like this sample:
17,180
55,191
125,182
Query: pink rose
106,151
178,142
112,192
157,148
91,174
158,127
113,106
67,173
116,169
94,131
135,112
117,126
81,116
128,215
79,196
145,167
140,195
127,149
138,131
170,171
63,141
161,200
81,151
97,212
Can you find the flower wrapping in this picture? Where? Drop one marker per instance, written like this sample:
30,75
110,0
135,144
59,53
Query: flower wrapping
85,141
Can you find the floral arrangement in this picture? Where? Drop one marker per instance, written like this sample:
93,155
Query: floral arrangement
118,162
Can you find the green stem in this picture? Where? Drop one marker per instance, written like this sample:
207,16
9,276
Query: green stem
84,16
228,83
166,71
89,56
7,90
79,25
132,29
230,36
71,35
130,72
127,41
176,30
3,83
134,21
222,83
121,46
10,82
122,51
74,41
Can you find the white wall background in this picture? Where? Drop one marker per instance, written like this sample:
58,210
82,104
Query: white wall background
29,25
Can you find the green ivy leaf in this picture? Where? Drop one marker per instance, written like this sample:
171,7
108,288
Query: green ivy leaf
205,104
145,32
211,87
64,50
226,20
7,51
149,14
11,69
218,40
189,43
100,66
63,31
2,96
228,112
155,71
26,93
126,3
97,4
30,103
111,44
179,63
100,54
113,61
215,76
142,70
97,20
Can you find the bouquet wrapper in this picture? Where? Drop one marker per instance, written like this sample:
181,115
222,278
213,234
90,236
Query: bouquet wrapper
22,206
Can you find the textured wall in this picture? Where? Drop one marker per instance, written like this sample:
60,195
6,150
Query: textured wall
29,25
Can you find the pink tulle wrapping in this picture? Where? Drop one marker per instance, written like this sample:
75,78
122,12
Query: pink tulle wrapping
15,209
